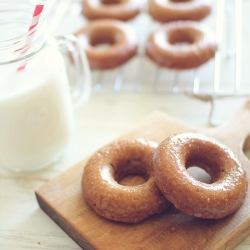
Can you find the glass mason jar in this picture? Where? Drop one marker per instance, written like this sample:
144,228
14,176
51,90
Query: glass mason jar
36,99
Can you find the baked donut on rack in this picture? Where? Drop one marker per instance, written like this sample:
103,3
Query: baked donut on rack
116,9
227,190
181,45
120,37
104,171
173,10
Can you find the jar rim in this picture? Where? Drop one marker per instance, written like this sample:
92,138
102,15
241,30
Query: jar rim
27,42
16,7
24,35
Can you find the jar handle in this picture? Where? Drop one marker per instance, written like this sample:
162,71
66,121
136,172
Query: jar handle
77,67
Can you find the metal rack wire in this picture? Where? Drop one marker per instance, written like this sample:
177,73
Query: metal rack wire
223,36
204,83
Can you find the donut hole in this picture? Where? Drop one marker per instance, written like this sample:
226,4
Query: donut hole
203,170
110,2
208,157
131,173
102,41
246,147
132,180
200,174
181,38
180,1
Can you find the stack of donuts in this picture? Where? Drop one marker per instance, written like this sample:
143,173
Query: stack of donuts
180,42
167,181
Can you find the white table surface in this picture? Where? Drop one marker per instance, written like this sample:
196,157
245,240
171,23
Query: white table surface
23,225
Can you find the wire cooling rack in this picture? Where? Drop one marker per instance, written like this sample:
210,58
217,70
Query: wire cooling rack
218,78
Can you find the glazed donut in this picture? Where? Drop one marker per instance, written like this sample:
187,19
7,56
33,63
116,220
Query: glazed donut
173,10
120,36
104,170
163,45
116,9
227,190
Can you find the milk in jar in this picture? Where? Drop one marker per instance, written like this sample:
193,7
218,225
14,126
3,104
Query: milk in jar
36,98
36,117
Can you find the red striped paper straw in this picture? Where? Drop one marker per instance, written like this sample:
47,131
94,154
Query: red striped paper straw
36,15
35,20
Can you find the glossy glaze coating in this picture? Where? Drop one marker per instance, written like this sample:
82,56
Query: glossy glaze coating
162,45
120,36
173,10
117,9
115,201
229,184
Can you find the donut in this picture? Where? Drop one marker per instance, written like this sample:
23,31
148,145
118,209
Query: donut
105,169
163,46
227,190
116,9
173,10
119,35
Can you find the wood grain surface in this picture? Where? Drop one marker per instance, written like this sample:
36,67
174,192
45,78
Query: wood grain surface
61,198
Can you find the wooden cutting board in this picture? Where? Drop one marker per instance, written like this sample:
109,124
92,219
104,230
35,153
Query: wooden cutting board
61,198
